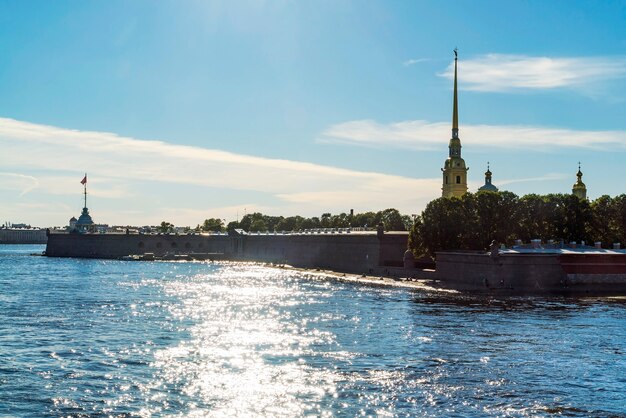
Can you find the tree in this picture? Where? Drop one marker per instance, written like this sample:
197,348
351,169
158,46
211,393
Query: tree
470,222
340,221
248,219
532,218
416,241
392,220
578,218
441,225
361,220
408,222
213,224
258,225
325,220
310,223
292,223
232,226
555,208
165,227
619,213
272,222
604,220
474,220
496,215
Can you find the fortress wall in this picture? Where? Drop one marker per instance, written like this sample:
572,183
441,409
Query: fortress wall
393,244
358,253
349,253
368,253
119,245
515,273
594,263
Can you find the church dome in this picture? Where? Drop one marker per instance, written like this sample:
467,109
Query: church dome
579,184
488,186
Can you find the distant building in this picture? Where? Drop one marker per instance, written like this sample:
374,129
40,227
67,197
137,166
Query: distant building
23,236
72,223
488,186
454,170
20,226
579,189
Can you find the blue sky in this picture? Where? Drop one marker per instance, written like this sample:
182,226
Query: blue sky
184,110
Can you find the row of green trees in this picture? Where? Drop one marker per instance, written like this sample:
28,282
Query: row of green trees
253,222
472,221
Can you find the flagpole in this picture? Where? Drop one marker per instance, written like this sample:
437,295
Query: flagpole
85,186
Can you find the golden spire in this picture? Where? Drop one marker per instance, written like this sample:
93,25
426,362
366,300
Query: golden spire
454,169
455,106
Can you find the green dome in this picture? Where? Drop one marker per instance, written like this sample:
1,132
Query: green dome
488,187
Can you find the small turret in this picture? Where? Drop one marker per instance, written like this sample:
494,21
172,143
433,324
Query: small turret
579,189
488,186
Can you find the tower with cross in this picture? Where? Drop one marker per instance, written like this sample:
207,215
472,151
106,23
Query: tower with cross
579,189
454,169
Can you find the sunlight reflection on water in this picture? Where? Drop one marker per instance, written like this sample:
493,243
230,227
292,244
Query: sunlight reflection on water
92,337
244,356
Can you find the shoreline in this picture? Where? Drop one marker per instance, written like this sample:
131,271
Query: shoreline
382,281
427,285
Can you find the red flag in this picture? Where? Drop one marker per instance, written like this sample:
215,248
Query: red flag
84,180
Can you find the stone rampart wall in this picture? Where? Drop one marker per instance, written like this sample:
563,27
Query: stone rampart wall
575,274
357,253
516,273
119,245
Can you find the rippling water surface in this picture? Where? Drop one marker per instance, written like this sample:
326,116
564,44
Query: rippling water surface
93,337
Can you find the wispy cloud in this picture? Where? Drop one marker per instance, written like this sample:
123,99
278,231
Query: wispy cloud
64,185
546,177
19,182
507,73
126,162
424,135
414,61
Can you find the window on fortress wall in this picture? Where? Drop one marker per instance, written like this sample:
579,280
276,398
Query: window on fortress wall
458,179
446,179
140,245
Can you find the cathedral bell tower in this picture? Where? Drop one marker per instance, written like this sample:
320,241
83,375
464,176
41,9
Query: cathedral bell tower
454,170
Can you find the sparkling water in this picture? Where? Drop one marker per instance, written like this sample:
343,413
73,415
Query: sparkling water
122,338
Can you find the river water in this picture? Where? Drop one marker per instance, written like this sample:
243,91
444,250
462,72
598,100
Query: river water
114,338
